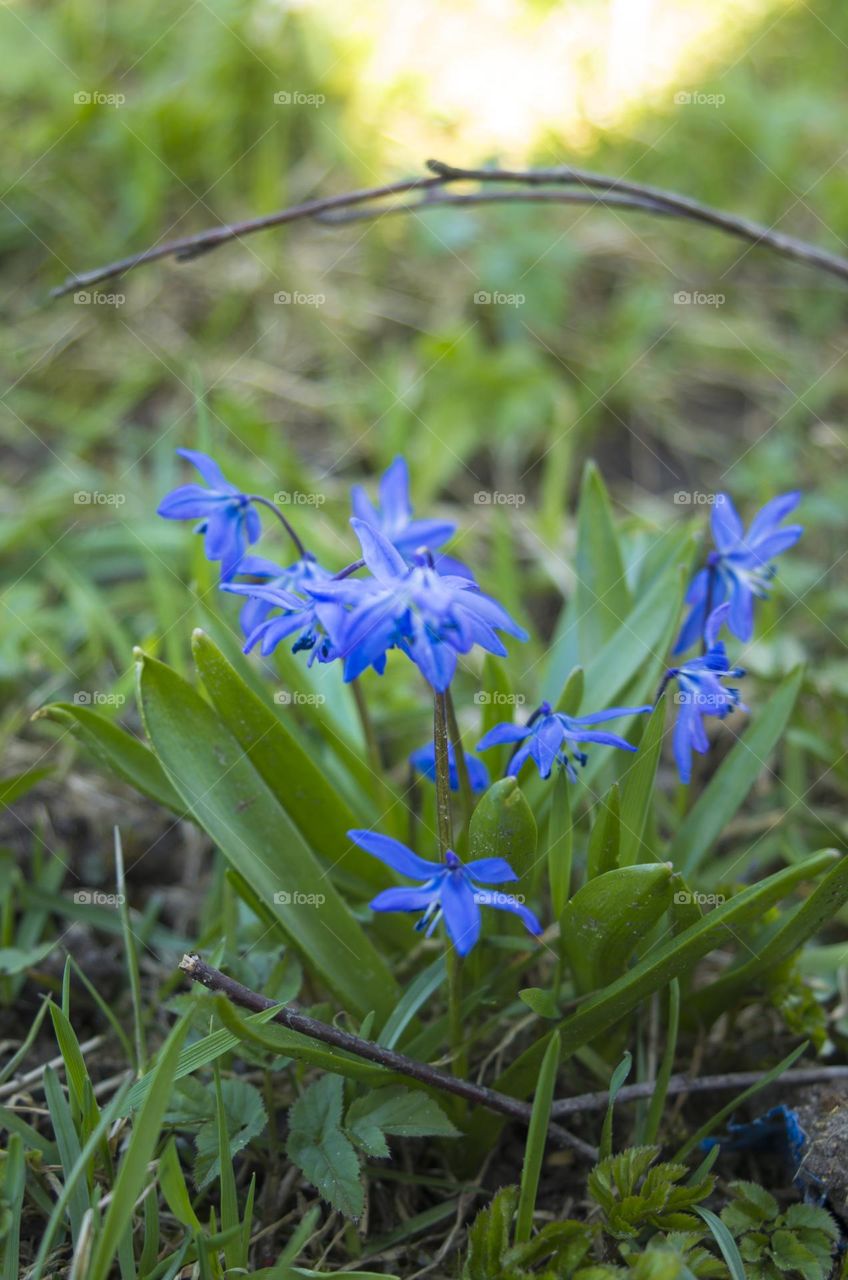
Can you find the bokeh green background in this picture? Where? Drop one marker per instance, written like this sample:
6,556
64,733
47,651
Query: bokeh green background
597,360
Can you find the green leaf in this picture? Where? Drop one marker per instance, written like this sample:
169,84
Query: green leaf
245,1116
604,922
173,1187
416,995
133,1169
537,1134
638,787
602,594
321,1151
560,842
67,1140
604,847
118,751
793,931
572,692
725,1242
734,778
619,1076
12,788
671,959
11,1206
14,960
396,1111
231,801
503,826
489,1236
300,786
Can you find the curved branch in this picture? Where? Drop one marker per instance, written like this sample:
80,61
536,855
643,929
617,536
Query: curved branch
593,188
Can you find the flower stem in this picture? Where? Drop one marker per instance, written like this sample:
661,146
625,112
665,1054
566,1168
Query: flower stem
445,834
272,506
459,757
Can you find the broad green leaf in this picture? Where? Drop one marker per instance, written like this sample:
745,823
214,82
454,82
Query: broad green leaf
14,960
503,826
319,1148
603,851
537,1135
399,1112
245,1117
133,1169
734,778
416,995
790,935
602,594
605,921
118,751
560,842
230,800
638,786
671,959
572,692
300,786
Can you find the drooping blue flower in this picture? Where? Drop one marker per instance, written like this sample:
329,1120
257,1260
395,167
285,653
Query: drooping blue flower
740,569
432,617
700,693
452,890
291,579
424,760
313,622
548,733
227,517
393,518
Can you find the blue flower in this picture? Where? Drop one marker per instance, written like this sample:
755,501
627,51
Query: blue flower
313,622
432,617
424,760
393,518
701,693
449,889
547,733
292,579
739,570
227,516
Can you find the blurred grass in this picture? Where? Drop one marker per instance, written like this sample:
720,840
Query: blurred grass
598,359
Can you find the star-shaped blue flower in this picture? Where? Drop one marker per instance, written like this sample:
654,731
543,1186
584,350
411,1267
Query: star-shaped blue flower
740,569
547,734
432,617
424,760
393,517
227,517
286,613
700,693
452,890
291,579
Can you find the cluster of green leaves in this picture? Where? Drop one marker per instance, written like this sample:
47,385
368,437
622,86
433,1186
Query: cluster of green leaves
798,1241
329,1149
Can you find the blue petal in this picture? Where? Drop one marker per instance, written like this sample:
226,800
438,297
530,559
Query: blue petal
190,502
606,739
394,497
462,917
727,528
740,619
769,516
515,764
491,870
362,506
714,624
209,469
545,743
404,899
614,713
503,733
683,740
395,855
423,533
384,561
478,774
774,544
505,902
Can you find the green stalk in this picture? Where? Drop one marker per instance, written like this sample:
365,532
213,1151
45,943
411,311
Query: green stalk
459,756
445,835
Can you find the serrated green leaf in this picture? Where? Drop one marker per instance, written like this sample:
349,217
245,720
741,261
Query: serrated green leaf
319,1148
246,1118
398,1112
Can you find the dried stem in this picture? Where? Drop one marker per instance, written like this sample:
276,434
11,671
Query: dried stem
591,188
294,1020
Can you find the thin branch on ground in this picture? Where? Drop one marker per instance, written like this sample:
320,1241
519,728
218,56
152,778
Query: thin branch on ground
294,1020
591,188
